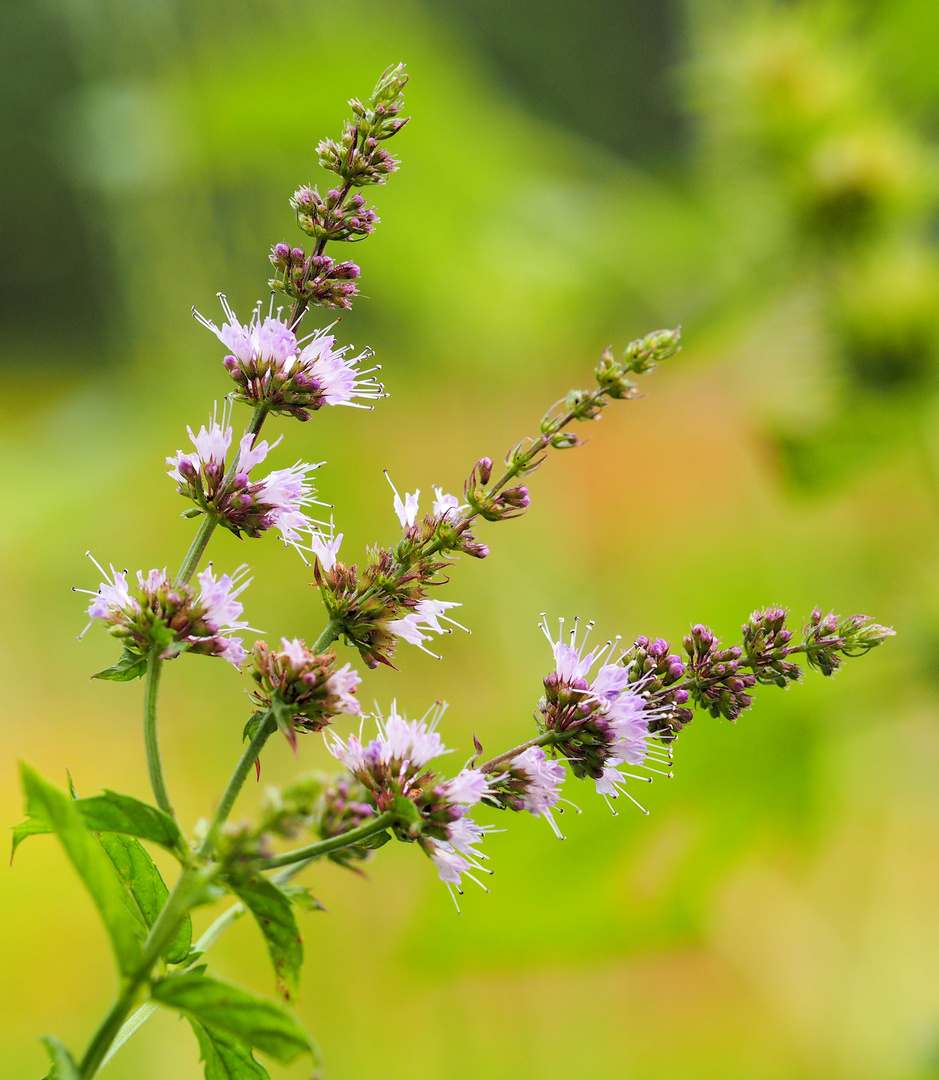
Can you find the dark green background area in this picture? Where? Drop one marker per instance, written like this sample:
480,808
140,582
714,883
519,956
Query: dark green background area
573,176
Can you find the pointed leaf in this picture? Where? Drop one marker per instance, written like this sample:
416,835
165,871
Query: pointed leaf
112,812
258,1022
32,827
116,813
46,802
273,913
130,666
142,879
226,1057
63,1066
283,714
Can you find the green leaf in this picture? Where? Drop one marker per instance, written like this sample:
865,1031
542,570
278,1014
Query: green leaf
300,896
48,803
260,1023
283,714
112,812
145,885
407,812
130,666
63,1066
33,827
273,913
226,1057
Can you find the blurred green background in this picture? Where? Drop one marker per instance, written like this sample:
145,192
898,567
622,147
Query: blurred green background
764,174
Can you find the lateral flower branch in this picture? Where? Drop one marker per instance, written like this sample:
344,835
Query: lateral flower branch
608,715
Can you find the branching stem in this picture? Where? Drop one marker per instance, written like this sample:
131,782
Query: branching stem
334,843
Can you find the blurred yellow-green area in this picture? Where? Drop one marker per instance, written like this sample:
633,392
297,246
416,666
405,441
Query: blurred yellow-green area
574,175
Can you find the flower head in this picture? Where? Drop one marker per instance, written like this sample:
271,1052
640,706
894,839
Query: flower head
291,376
393,767
277,501
175,618
602,721
305,690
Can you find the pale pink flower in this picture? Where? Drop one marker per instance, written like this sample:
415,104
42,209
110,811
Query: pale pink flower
446,505
425,616
544,779
342,683
265,339
324,549
467,788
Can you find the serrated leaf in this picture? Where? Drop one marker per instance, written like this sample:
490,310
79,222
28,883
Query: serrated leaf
46,802
259,1022
274,915
226,1057
113,812
63,1065
130,666
142,880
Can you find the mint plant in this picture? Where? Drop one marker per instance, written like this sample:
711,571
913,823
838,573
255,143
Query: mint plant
609,715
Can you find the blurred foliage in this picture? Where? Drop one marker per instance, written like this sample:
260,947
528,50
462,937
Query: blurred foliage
763,174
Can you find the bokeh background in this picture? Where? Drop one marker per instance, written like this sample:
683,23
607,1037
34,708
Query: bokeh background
575,175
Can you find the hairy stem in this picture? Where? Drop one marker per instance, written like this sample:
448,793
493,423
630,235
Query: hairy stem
549,738
330,633
334,843
150,735
235,784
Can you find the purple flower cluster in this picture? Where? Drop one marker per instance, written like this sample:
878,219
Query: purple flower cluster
392,768
600,722
240,504
287,375
305,689
173,617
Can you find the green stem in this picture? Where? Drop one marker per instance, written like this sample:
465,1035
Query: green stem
184,894
197,549
208,524
330,633
206,941
252,751
150,736
334,843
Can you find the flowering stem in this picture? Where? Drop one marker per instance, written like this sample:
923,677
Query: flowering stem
235,784
197,548
208,524
547,739
334,843
150,736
